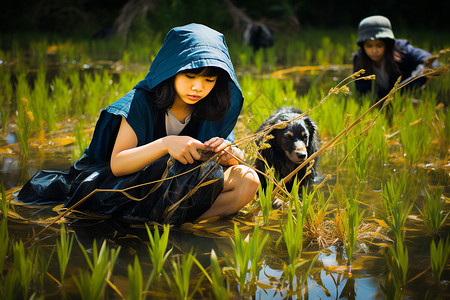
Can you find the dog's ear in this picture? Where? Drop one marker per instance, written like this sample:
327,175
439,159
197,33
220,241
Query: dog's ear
312,128
313,133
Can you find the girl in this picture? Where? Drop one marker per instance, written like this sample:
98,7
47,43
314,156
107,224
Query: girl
189,102
386,57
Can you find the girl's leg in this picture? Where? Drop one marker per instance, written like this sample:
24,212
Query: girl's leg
240,186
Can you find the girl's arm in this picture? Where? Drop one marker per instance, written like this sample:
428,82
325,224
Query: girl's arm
127,158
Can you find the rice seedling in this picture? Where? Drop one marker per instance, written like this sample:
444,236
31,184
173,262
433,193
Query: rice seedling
439,257
6,93
4,244
63,249
377,137
42,263
433,212
396,206
4,206
75,92
10,285
40,49
39,98
397,262
318,227
135,280
81,140
91,286
24,266
292,230
258,61
441,118
61,97
246,263
24,117
351,219
94,89
157,251
220,291
415,135
361,159
179,282
265,201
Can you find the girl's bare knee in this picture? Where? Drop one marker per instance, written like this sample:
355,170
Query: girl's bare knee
249,185
251,179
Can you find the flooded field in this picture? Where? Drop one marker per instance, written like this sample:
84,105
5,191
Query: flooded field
370,229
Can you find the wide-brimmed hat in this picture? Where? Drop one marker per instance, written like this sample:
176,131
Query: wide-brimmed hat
373,28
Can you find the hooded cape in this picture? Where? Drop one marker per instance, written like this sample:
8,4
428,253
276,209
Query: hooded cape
186,47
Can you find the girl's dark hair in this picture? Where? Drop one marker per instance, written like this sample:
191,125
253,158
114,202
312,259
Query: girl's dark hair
213,107
391,54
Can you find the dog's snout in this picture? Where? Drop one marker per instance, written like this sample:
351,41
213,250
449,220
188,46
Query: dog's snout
301,156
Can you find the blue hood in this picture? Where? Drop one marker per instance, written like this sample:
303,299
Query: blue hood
185,47
188,47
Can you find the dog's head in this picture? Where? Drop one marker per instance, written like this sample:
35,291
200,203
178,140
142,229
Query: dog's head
295,140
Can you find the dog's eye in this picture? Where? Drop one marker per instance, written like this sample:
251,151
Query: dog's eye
287,136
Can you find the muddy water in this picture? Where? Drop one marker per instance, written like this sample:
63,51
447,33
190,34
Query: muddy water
330,277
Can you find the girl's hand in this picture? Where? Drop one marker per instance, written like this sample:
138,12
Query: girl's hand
183,148
217,144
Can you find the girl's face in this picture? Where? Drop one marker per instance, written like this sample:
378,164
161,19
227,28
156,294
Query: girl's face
375,50
192,88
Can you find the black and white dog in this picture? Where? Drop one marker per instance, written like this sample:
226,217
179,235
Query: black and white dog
290,146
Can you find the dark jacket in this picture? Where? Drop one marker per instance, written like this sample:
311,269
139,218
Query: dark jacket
411,59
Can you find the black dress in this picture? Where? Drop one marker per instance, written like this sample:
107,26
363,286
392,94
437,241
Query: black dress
86,176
